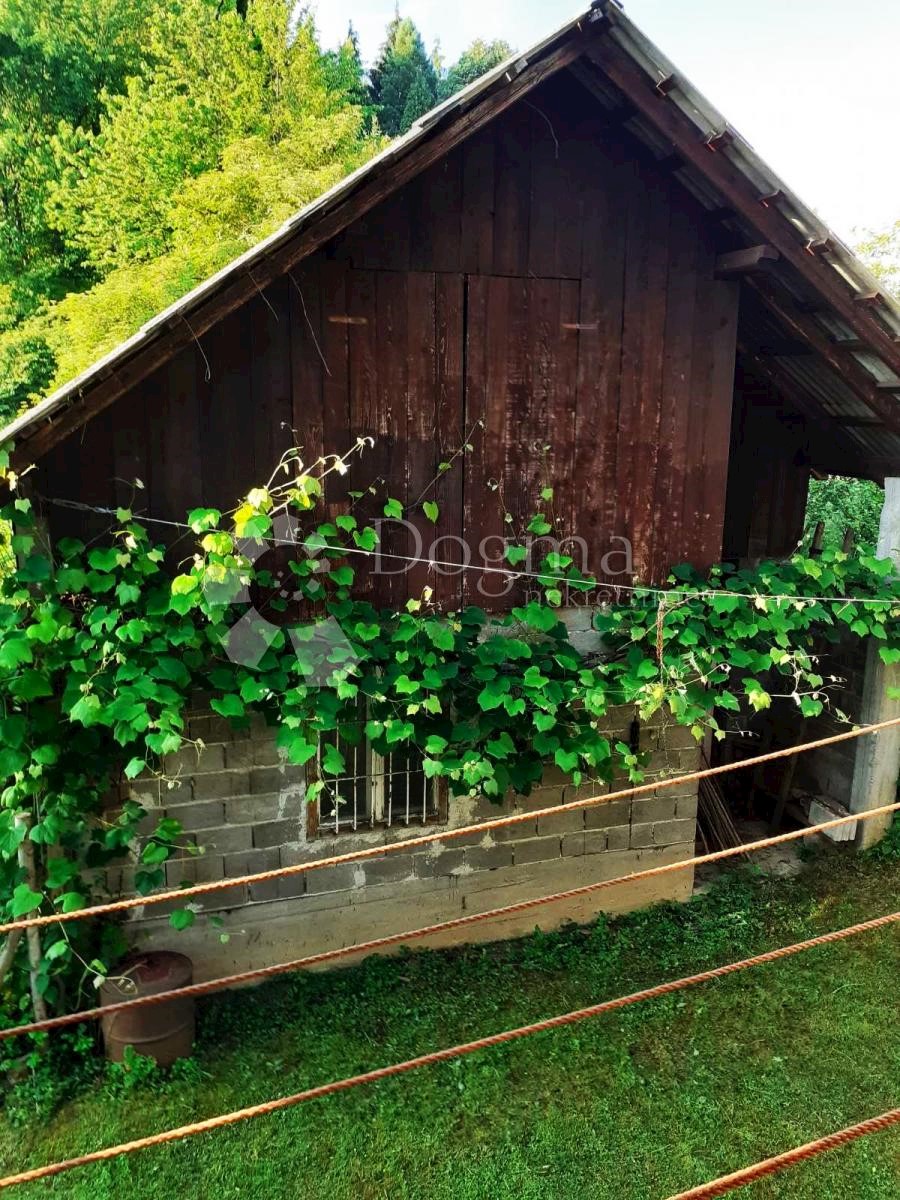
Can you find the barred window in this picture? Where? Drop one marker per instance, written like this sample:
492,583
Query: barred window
377,791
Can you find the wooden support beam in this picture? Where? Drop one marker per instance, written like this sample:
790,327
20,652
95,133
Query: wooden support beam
803,327
736,263
877,763
831,448
718,141
869,299
858,422
785,349
738,192
855,345
820,246
721,214
587,77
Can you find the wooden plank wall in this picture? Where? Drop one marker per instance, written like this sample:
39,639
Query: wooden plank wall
544,293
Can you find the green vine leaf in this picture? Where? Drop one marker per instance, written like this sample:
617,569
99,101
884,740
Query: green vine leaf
105,559
87,710
342,576
566,760
493,694
203,519
31,685
333,762
441,635
539,525
299,750
229,706
185,585
24,901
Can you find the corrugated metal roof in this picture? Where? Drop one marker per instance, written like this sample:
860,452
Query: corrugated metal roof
657,66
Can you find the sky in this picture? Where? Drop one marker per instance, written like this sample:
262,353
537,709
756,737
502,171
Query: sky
810,83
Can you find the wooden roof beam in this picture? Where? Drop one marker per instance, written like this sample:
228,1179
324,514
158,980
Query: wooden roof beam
737,192
736,263
855,344
718,141
835,452
785,349
820,246
806,329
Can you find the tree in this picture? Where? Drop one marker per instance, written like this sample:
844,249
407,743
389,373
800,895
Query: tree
843,504
346,75
882,253
419,100
57,59
204,88
404,82
474,62
228,125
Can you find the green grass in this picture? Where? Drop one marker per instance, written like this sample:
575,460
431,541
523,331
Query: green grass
636,1104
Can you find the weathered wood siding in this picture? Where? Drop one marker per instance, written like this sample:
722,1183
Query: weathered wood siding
545,292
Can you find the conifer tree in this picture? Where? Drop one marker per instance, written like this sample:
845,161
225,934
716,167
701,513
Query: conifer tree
474,62
403,80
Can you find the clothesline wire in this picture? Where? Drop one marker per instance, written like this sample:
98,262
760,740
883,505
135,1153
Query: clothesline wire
405,844
445,1055
398,939
789,1158
508,573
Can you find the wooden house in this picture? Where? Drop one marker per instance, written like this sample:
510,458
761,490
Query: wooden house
580,269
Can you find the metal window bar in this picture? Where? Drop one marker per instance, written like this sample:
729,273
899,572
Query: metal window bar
346,802
377,791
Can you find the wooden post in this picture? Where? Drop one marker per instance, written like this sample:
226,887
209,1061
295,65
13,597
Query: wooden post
877,763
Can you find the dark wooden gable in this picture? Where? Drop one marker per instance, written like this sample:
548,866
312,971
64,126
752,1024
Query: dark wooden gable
545,291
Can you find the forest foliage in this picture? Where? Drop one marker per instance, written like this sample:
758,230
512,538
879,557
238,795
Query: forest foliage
146,143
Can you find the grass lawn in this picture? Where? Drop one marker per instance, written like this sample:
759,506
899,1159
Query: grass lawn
636,1104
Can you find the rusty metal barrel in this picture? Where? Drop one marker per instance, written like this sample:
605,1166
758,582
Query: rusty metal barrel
163,1031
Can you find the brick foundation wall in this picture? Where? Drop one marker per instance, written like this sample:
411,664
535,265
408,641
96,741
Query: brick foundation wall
247,810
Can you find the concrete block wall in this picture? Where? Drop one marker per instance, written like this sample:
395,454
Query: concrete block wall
829,771
247,810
